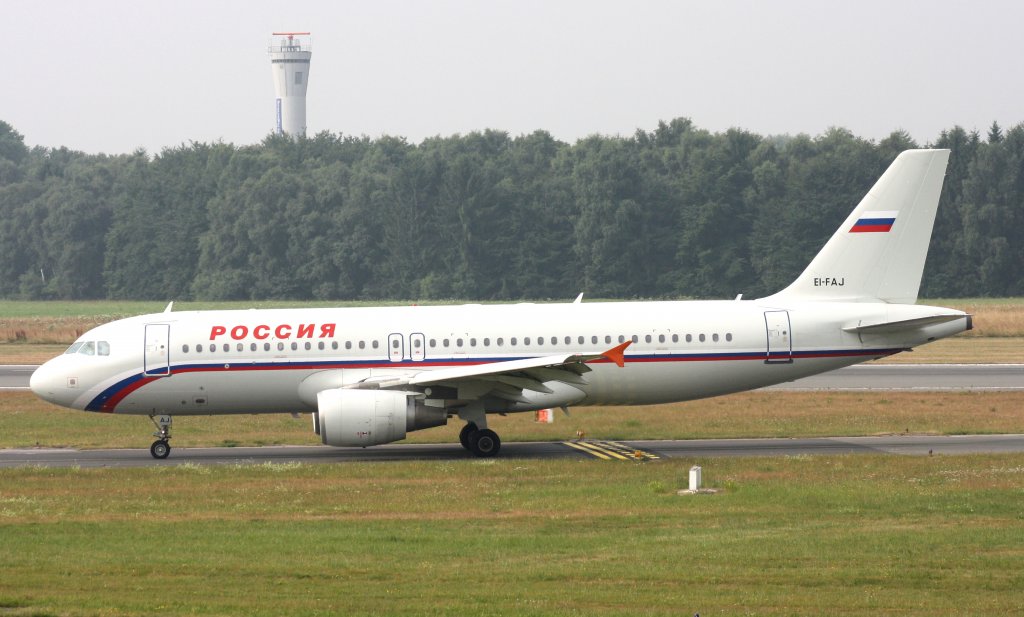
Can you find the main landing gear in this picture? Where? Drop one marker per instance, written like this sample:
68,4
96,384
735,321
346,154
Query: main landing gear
481,442
160,447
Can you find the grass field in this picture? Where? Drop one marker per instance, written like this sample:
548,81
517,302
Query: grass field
850,535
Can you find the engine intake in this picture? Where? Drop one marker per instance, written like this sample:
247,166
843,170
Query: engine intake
347,417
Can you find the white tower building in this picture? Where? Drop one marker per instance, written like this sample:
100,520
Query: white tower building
289,59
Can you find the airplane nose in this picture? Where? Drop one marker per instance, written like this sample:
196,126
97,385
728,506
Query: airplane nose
49,384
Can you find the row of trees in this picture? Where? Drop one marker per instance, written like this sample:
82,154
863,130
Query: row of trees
674,212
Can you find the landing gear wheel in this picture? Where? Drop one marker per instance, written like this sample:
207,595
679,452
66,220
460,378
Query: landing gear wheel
160,449
485,443
465,434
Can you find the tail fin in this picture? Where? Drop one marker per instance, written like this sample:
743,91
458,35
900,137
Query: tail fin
878,253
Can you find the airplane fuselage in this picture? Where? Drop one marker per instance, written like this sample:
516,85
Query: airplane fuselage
275,361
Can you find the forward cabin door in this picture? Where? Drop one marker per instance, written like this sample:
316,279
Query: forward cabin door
780,339
156,360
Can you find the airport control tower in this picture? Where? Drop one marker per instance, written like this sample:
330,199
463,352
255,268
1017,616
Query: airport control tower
289,57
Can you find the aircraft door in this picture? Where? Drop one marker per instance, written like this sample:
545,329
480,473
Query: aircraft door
780,340
396,348
156,356
417,344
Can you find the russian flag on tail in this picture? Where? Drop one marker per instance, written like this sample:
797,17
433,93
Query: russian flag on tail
874,222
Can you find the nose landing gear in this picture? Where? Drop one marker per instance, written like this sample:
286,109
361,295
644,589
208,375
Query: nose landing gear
160,447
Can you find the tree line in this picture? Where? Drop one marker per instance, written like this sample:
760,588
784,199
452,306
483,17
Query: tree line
673,212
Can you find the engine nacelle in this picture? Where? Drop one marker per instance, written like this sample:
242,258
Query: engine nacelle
347,417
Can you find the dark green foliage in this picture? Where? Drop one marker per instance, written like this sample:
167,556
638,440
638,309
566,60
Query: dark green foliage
677,211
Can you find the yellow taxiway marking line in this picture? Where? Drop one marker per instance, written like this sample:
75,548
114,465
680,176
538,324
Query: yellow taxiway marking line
630,452
597,449
607,450
581,448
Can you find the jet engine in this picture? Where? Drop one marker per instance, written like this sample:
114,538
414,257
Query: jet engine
347,417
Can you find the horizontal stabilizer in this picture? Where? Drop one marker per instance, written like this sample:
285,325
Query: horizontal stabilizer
904,325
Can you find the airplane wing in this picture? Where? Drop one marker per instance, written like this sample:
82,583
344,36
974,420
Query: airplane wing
508,379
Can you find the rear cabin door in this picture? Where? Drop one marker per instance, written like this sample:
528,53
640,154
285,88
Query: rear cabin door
780,340
156,357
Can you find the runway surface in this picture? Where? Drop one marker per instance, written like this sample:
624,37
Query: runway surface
694,450
15,376
934,377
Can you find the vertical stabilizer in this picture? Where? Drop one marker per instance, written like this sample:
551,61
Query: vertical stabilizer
878,253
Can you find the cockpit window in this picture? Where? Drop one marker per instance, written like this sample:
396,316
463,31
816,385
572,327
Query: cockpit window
90,348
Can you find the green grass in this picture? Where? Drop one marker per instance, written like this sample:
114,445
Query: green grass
788,536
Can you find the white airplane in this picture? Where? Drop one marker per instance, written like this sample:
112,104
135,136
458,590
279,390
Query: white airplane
370,375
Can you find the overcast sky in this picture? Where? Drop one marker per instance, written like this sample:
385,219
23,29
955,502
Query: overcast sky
114,76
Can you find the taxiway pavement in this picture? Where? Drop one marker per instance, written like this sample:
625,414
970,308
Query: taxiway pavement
632,450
